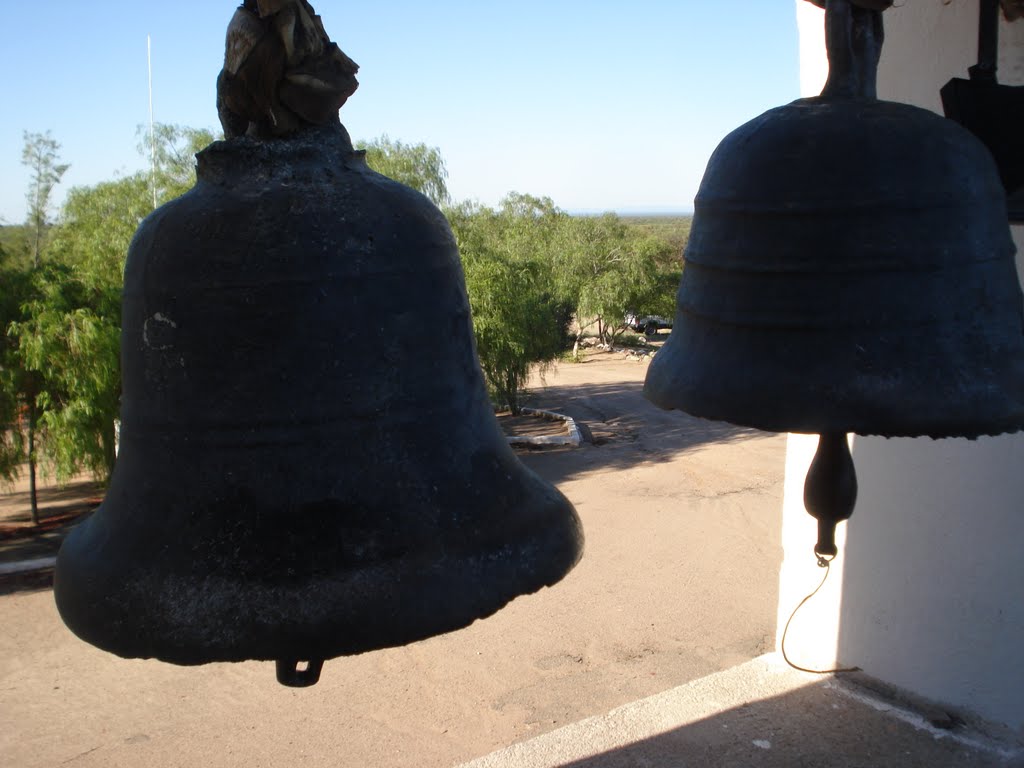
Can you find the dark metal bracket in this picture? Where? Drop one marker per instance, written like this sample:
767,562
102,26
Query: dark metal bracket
992,112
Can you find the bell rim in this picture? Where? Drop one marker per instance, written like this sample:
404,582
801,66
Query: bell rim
783,400
138,613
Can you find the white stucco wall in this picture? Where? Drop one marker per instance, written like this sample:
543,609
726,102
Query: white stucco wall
929,587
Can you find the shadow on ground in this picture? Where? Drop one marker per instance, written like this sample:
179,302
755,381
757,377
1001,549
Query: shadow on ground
621,429
814,726
56,503
32,581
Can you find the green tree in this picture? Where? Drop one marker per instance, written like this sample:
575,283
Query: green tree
15,247
415,165
12,444
71,348
97,225
172,150
67,336
518,319
41,154
608,269
19,386
674,230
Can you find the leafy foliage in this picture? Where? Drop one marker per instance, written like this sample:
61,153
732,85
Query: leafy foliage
15,247
518,319
172,150
673,230
71,347
609,269
14,384
530,267
41,154
61,355
415,165
98,225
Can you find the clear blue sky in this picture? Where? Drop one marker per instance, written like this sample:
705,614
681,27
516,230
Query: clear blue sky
598,105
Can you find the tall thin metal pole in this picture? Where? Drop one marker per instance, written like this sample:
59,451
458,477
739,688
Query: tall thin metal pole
152,134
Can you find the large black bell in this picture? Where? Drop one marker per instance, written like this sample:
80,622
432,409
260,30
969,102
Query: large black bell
309,463
849,269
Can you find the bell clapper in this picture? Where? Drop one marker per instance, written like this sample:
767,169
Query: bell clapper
830,490
830,493
299,674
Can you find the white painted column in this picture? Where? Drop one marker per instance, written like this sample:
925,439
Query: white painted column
931,590
814,632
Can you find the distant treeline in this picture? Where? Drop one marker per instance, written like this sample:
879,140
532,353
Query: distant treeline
536,277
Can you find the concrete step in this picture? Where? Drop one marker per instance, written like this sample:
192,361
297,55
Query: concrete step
762,713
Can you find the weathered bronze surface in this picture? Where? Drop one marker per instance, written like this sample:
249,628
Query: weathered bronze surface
850,269
309,463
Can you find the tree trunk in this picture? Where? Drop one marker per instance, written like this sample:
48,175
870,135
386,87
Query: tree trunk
32,491
513,396
109,441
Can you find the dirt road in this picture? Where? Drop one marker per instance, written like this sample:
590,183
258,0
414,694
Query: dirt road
682,520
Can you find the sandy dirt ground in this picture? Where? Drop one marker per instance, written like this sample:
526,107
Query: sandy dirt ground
679,580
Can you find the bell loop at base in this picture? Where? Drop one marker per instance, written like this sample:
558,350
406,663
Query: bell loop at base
291,673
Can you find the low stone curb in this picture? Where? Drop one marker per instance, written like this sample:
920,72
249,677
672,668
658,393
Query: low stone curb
572,439
27,566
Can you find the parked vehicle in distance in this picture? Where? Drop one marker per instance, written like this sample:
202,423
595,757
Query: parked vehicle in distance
648,324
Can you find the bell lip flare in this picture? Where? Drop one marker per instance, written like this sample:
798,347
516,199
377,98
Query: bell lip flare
139,611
